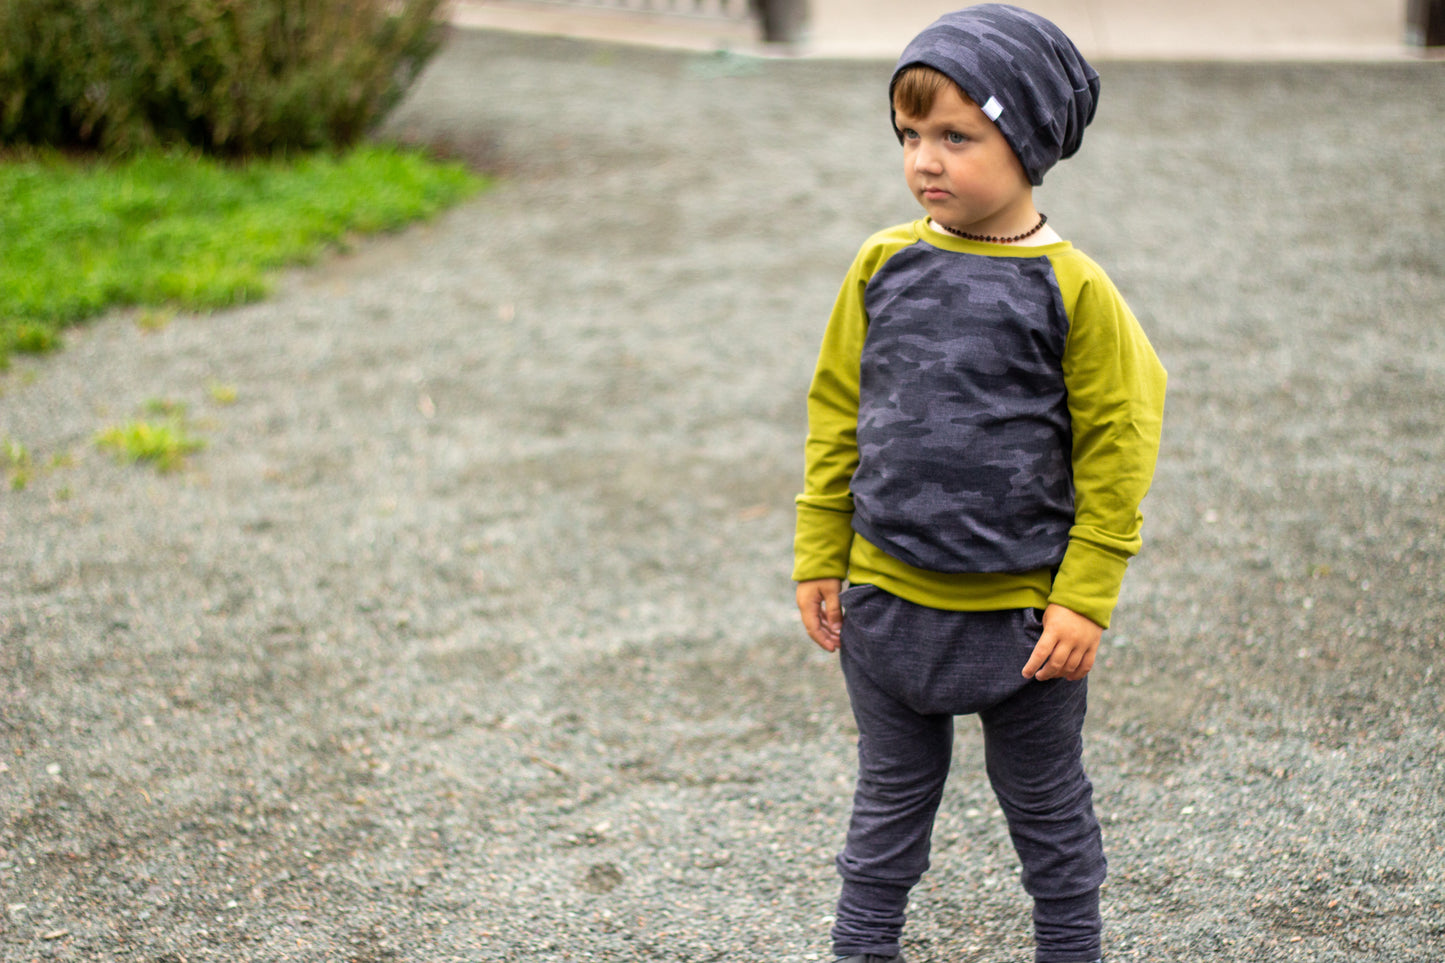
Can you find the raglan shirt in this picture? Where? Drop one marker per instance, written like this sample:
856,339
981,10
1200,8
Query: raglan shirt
983,424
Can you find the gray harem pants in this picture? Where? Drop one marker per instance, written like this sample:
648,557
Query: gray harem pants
910,669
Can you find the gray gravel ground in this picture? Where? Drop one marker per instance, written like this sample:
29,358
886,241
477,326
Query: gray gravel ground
469,635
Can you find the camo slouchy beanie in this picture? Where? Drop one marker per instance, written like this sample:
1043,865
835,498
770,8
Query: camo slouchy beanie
1021,70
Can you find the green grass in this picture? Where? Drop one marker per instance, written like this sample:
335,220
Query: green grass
15,459
164,444
180,231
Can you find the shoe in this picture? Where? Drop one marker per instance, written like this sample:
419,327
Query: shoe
871,958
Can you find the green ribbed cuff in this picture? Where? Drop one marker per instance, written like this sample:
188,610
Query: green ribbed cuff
821,542
1089,580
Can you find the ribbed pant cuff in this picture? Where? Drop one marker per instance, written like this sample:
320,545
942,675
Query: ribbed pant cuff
1068,930
870,918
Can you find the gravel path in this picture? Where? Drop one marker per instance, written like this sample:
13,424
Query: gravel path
469,635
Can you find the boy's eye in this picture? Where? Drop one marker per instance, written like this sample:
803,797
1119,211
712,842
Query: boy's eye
954,137
908,133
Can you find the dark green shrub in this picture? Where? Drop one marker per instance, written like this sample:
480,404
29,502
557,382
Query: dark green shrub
29,337
228,76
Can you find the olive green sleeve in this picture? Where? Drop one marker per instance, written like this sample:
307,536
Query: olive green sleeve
1116,385
824,532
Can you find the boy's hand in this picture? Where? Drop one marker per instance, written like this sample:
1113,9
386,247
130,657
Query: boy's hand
1066,648
822,611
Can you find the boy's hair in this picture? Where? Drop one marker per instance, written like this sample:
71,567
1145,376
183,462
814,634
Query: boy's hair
916,88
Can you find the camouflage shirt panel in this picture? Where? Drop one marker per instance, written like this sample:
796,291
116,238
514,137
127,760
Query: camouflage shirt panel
964,442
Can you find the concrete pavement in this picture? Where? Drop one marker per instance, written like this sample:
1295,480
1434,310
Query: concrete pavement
1104,29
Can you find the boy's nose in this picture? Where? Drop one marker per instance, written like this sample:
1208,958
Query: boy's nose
926,160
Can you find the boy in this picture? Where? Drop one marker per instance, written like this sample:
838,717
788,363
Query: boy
983,425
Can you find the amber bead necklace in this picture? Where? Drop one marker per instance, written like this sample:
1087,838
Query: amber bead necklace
990,239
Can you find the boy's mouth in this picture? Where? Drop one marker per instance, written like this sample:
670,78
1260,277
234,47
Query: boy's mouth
934,193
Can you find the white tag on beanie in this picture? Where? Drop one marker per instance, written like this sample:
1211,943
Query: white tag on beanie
992,109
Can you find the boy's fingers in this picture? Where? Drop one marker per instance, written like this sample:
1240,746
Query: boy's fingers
832,623
1063,662
1052,659
813,625
821,611
825,636
1040,656
1082,669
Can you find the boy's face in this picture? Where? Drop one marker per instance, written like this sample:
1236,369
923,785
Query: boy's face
962,170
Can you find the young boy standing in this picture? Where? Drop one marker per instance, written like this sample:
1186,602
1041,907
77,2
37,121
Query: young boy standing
983,425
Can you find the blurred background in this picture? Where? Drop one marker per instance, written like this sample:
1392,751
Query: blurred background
1102,28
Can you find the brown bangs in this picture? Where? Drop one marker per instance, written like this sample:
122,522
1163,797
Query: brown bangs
915,89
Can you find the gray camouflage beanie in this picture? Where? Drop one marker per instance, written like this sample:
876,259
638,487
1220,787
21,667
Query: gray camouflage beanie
1021,70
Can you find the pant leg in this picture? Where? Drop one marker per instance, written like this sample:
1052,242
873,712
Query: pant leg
1033,749
903,761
